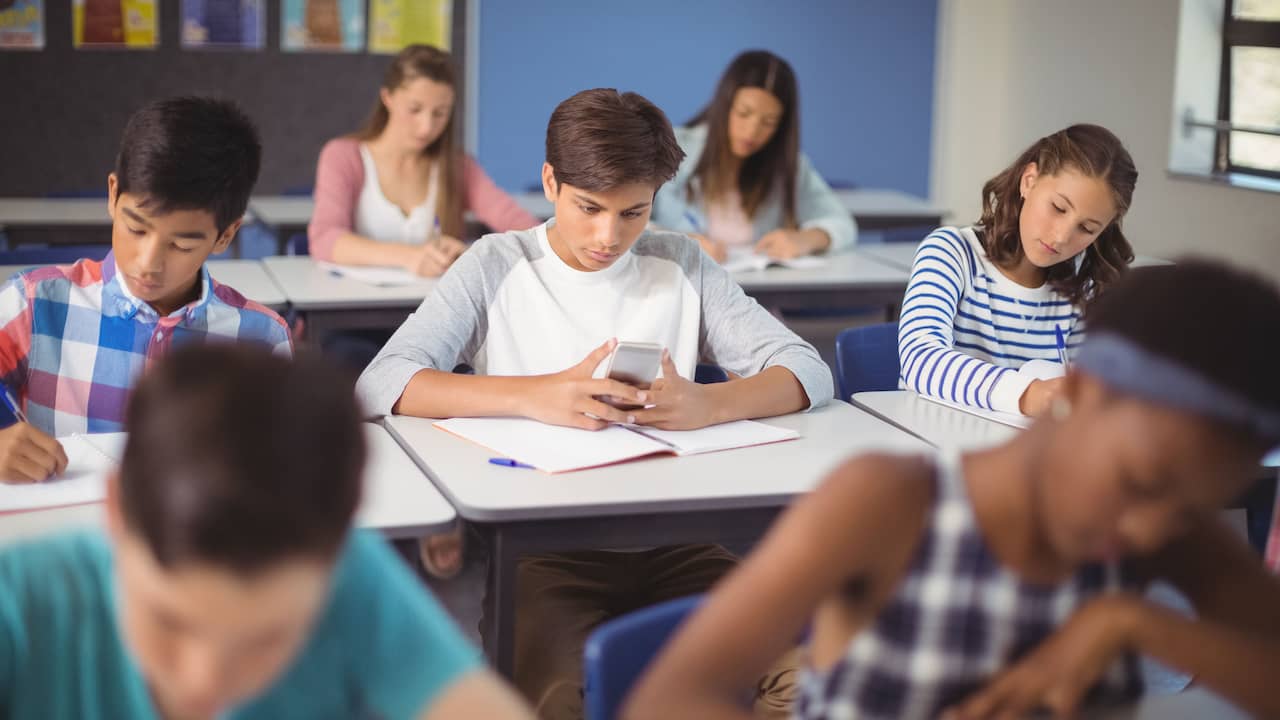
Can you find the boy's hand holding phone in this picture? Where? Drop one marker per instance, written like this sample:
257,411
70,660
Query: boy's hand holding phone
677,403
566,397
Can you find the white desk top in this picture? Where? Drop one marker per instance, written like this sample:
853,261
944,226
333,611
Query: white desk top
282,209
871,203
83,212
310,287
842,270
901,255
747,477
247,276
250,278
399,500
938,425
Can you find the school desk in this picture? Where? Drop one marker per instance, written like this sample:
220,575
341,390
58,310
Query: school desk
902,254
725,497
398,501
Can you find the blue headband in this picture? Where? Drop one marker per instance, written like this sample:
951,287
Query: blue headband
1130,368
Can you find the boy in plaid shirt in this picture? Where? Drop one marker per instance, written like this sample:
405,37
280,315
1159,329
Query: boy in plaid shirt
74,338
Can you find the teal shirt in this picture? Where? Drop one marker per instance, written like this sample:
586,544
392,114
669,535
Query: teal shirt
382,648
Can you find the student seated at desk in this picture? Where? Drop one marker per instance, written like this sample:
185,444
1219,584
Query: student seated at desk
73,339
744,182
230,582
1001,581
395,192
534,313
985,300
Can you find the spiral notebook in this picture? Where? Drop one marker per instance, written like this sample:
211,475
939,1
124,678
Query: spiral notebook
89,459
556,449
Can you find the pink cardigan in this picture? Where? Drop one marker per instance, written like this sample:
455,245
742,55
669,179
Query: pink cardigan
340,177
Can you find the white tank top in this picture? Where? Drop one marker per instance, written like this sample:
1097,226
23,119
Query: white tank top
377,218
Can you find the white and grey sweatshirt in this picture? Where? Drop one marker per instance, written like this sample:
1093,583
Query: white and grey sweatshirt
511,306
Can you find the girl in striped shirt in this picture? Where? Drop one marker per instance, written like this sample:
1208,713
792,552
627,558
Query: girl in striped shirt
986,299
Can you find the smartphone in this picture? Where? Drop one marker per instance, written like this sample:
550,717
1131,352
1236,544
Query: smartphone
635,364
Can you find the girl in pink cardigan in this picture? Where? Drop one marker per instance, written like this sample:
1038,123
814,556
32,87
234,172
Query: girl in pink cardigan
395,192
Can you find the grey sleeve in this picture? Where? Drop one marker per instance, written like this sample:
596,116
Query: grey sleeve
446,329
739,335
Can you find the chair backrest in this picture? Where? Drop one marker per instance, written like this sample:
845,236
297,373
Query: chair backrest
618,651
867,359
297,245
707,374
33,256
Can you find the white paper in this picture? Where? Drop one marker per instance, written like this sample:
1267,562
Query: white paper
746,260
89,459
371,275
554,449
741,433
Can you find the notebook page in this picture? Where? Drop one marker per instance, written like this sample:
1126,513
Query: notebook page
726,436
551,448
90,458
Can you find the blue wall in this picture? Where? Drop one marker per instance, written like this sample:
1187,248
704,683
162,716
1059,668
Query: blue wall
865,69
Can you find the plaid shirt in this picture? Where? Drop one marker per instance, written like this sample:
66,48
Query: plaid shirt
73,339
956,620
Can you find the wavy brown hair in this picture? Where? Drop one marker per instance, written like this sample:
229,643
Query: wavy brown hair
1093,151
425,61
775,164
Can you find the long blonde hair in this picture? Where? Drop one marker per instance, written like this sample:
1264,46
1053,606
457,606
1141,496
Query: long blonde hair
425,61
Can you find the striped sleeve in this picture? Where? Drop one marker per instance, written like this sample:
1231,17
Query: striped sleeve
930,365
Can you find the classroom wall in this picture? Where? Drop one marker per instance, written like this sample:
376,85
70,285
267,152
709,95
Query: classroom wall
1009,72
865,69
64,109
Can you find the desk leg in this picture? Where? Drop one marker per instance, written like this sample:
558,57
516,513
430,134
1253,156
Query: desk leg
500,604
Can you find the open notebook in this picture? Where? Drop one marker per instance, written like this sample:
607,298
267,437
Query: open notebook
90,458
1037,369
744,260
555,449
379,276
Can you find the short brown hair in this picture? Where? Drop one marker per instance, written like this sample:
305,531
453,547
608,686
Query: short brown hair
602,139
240,459
1093,151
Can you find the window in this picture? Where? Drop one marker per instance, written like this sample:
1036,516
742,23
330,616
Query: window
1249,90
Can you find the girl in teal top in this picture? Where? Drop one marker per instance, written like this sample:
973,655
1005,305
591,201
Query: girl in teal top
744,184
229,583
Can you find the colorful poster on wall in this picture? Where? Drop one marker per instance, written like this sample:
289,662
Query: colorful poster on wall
22,24
227,24
128,24
393,24
324,25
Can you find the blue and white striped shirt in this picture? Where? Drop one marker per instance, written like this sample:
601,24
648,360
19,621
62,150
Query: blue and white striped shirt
965,327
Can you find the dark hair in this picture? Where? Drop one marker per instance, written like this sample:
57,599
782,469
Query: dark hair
1220,323
773,166
1097,153
190,153
601,139
434,64
241,459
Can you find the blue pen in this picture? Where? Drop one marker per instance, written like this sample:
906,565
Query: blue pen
508,462
1062,345
693,221
13,406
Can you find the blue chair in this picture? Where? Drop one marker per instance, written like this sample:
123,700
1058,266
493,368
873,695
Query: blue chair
618,651
297,245
34,255
867,359
707,374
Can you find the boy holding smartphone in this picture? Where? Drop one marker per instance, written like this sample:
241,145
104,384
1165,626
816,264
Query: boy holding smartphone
537,312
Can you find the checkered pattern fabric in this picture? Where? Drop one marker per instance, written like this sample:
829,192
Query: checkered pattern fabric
73,339
956,620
